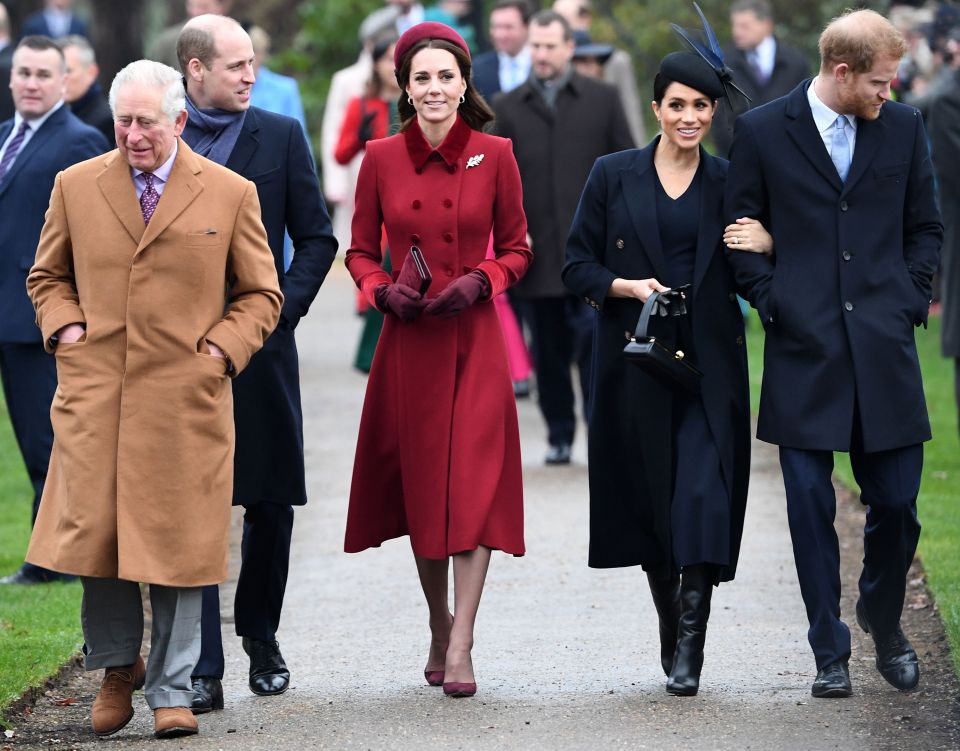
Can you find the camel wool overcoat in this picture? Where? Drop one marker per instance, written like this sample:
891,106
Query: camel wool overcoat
141,474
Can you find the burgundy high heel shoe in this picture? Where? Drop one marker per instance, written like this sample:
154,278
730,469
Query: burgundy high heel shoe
434,677
459,690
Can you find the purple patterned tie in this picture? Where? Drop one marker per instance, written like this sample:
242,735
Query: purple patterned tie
149,198
11,153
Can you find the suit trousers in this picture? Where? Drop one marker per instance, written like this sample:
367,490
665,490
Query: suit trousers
562,332
265,560
112,617
29,381
889,484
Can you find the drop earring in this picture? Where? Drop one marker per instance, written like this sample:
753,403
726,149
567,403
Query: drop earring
410,100
463,98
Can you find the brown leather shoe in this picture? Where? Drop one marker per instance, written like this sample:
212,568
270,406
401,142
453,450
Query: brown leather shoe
172,722
113,707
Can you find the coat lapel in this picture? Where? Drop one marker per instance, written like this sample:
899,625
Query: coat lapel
116,185
179,192
639,192
247,143
710,229
803,130
870,134
35,145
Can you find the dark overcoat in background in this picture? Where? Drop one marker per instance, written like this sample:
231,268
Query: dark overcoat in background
944,127
615,234
849,278
272,152
486,74
555,150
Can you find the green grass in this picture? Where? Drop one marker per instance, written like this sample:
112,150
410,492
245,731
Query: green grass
940,489
39,626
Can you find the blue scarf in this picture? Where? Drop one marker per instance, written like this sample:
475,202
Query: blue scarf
212,133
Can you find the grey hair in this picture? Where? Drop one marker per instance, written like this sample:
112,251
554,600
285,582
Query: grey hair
151,74
83,47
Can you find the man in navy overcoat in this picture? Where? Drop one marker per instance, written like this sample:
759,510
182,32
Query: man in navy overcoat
842,178
216,56
42,139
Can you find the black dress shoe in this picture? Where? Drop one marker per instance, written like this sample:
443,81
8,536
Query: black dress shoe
696,591
833,682
268,672
207,694
896,659
559,453
28,574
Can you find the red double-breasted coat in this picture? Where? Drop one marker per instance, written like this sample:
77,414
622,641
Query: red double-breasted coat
438,454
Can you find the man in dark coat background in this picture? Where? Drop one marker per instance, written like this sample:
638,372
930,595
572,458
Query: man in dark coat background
560,123
842,179
216,56
763,66
507,65
42,139
81,89
56,21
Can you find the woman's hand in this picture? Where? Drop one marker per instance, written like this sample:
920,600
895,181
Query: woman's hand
748,234
638,288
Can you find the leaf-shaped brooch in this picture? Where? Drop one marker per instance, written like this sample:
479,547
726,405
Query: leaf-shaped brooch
474,161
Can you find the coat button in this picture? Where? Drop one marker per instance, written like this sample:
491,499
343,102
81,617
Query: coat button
620,243
419,170
739,341
848,306
448,272
447,237
416,204
447,203
451,168
843,206
732,297
846,255
415,239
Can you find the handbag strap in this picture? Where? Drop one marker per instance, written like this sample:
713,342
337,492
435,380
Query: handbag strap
649,308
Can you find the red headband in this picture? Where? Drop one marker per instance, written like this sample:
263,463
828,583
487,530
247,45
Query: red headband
426,30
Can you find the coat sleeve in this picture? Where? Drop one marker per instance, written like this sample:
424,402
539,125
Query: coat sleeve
512,254
308,224
51,283
922,227
364,258
254,298
746,196
584,273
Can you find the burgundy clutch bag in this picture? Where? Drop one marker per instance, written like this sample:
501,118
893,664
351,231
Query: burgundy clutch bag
414,273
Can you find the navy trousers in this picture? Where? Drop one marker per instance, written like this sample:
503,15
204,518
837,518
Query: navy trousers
889,483
562,333
29,381
265,560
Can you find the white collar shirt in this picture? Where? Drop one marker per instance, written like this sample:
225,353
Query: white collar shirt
513,71
825,120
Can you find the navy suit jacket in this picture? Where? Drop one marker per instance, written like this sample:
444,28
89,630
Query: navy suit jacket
62,141
37,24
850,276
486,74
272,152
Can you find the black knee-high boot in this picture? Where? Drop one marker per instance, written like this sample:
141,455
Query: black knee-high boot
665,589
696,588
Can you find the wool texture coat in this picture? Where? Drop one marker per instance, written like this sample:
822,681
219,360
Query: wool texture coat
438,454
141,474
615,234
850,276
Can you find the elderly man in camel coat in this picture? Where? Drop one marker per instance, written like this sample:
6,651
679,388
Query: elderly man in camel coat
153,285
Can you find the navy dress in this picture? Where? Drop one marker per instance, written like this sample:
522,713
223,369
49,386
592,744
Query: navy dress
700,502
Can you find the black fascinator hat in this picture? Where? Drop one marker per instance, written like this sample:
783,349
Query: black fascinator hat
693,71
709,52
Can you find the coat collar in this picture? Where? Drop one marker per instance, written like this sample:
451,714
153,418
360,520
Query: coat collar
116,185
51,128
247,142
449,150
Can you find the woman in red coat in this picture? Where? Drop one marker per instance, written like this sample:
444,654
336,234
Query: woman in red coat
438,455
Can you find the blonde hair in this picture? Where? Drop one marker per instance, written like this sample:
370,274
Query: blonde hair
858,38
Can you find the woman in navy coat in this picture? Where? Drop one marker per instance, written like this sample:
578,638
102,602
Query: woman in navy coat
668,469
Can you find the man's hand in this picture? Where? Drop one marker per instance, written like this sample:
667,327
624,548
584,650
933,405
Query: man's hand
70,333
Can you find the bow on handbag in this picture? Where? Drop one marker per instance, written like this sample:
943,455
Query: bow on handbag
670,367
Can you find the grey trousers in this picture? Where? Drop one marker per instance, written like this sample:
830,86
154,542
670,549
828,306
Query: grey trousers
112,617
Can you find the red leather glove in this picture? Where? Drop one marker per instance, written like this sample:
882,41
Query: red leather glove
458,296
405,303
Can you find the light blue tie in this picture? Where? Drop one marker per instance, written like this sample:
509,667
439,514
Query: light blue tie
840,148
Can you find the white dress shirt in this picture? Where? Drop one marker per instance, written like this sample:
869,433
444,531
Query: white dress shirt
34,127
764,56
513,71
825,120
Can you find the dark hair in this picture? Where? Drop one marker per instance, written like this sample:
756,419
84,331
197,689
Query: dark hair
760,8
550,17
522,7
474,110
196,42
375,84
39,43
661,83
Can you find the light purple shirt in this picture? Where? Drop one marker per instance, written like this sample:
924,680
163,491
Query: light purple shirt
160,176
